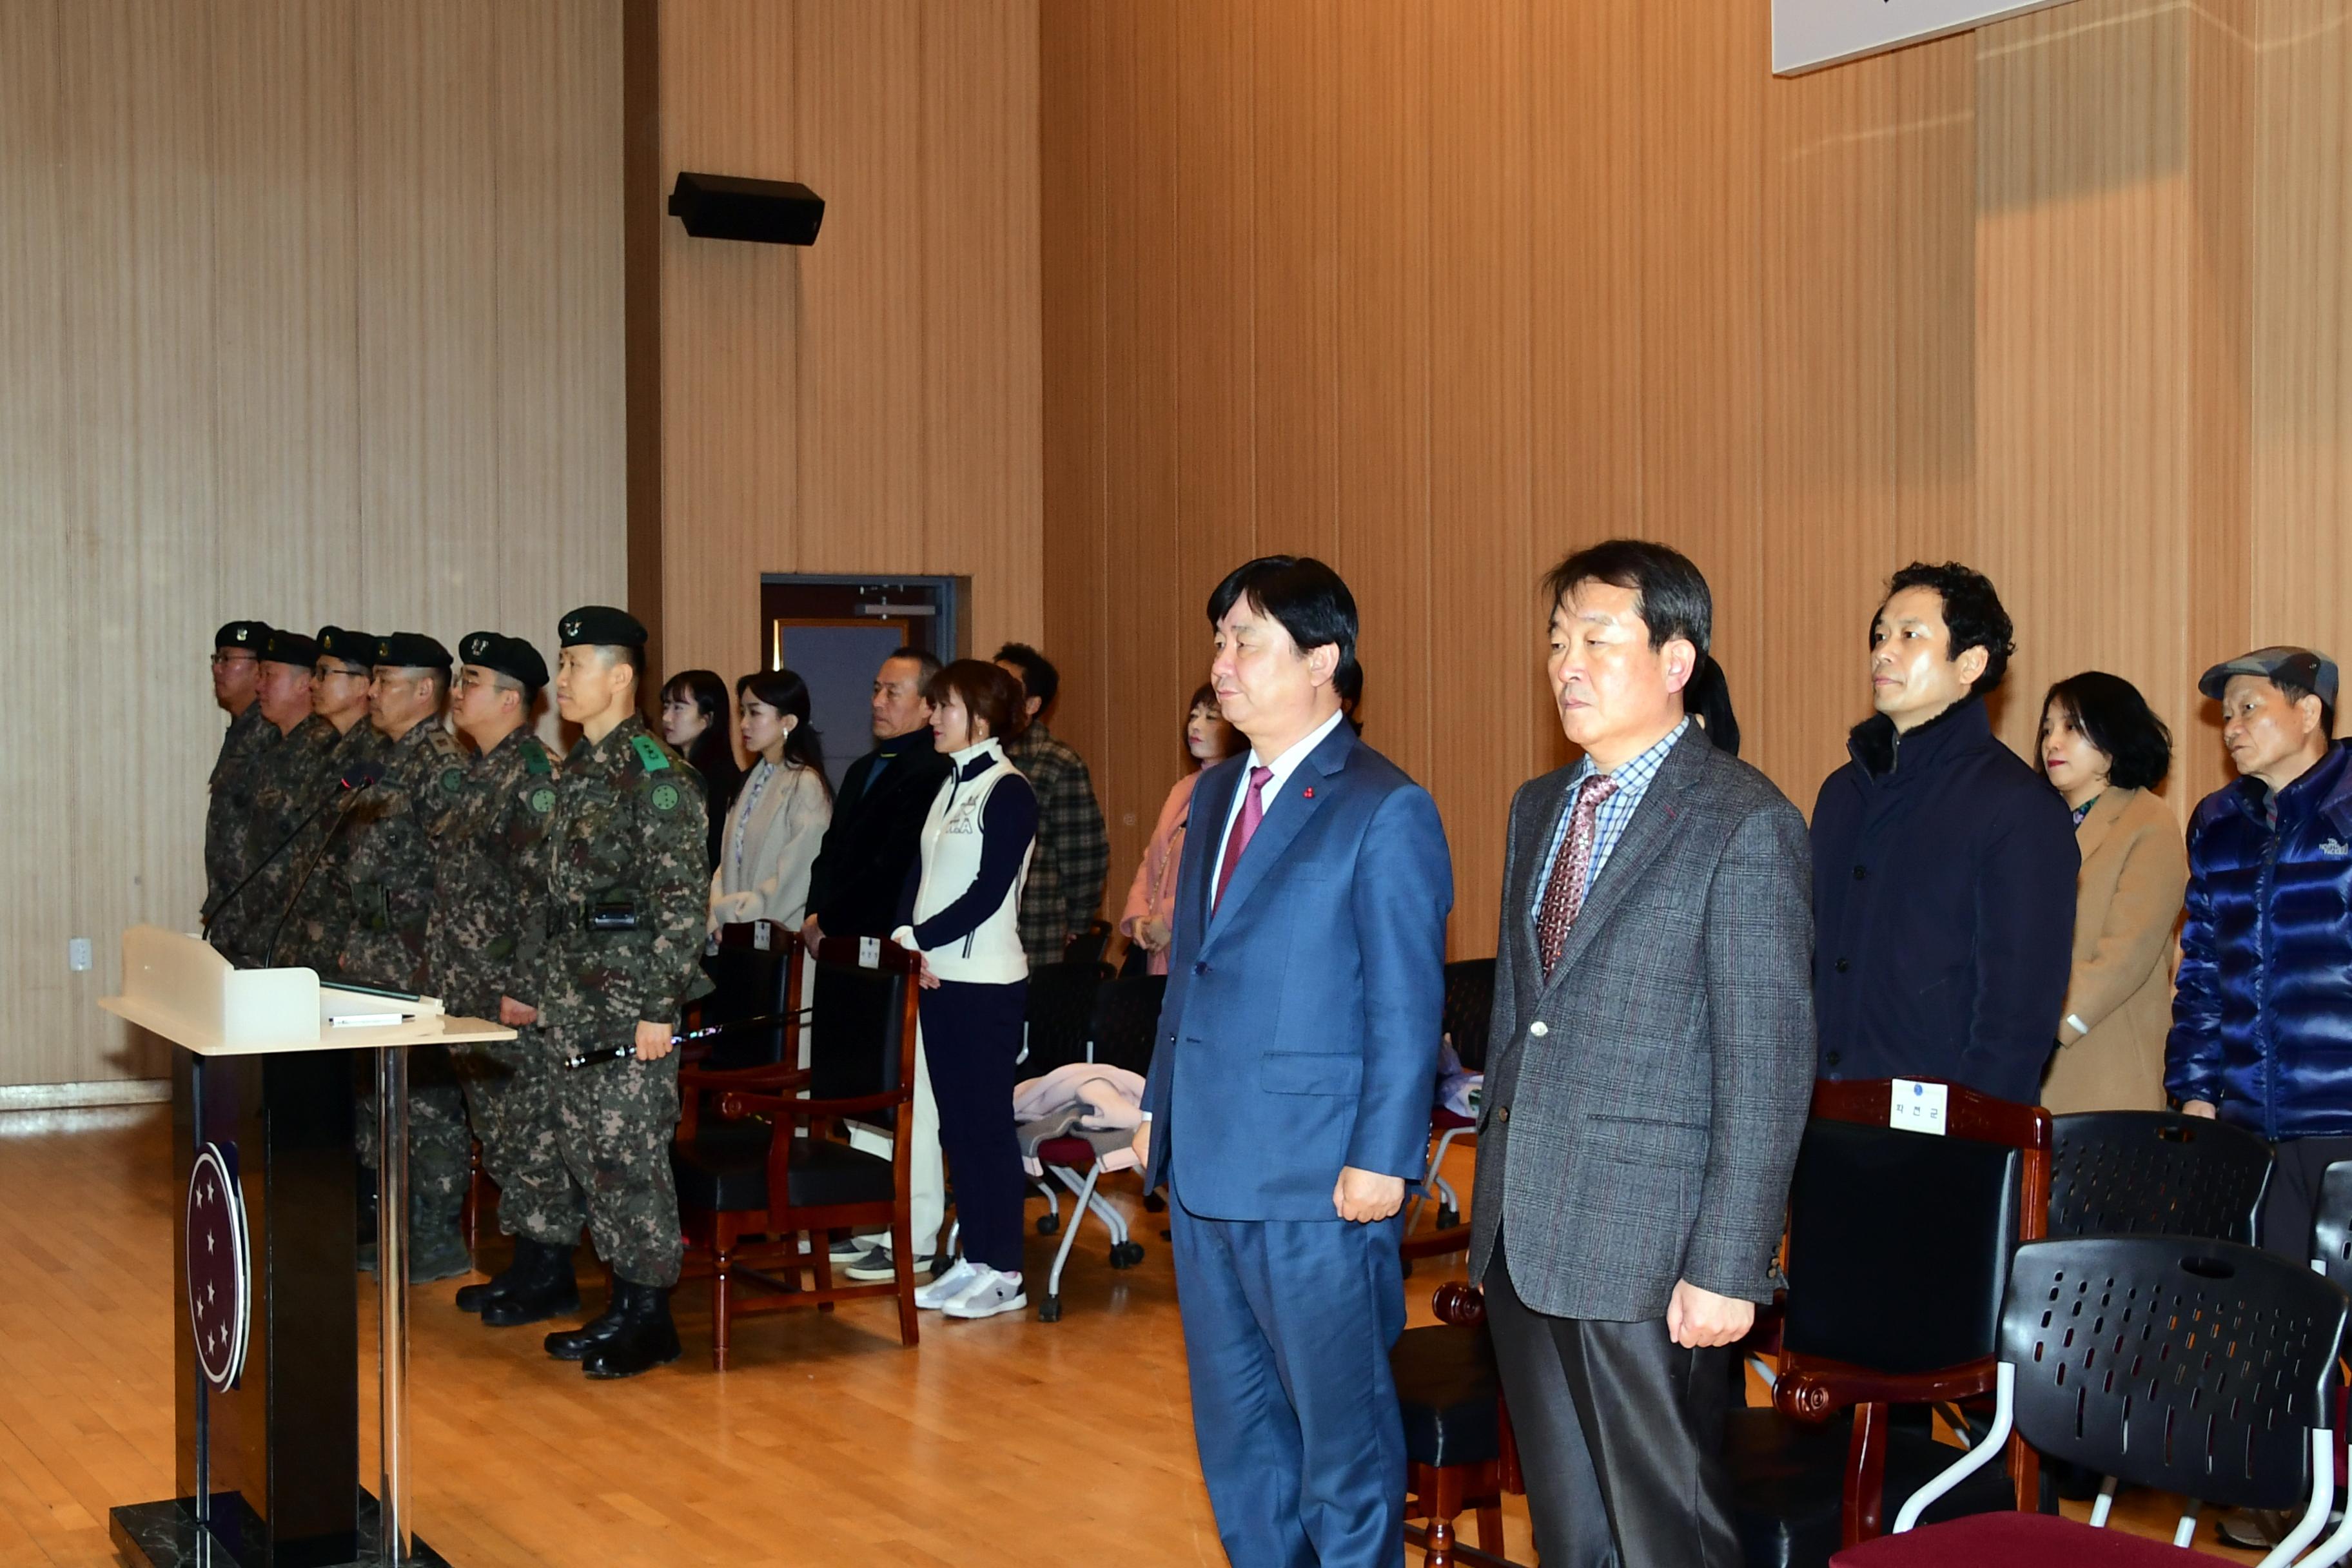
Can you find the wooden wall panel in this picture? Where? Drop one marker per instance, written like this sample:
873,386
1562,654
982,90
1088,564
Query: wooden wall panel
871,404
2061,298
281,349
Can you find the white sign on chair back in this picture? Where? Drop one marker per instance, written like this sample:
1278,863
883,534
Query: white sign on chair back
1810,34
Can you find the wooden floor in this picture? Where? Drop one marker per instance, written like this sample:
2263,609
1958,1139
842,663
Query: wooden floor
1007,1442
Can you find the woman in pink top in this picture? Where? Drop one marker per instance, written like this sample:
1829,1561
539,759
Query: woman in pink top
1150,913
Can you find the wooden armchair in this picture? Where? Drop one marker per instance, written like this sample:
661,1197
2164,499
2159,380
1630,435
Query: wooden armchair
1460,1455
1899,1253
767,1170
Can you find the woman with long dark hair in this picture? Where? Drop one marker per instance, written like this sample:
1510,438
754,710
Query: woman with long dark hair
694,721
2105,752
778,821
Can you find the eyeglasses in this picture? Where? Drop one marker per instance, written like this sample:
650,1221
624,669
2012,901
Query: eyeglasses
225,656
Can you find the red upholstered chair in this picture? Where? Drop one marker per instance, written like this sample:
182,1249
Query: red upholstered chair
2201,1368
1123,1019
1898,1250
1460,1456
1469,1012
764,1182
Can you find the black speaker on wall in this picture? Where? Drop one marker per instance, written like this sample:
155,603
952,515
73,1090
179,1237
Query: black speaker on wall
768,212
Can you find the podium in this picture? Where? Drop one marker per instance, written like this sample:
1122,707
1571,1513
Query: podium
265,1268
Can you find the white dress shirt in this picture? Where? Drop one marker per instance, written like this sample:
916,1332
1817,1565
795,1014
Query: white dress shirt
1283,766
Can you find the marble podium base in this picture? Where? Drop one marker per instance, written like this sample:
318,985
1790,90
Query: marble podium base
165,1535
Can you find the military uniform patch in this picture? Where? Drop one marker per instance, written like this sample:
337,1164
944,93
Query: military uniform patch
649,751
542,801
666,797
453,780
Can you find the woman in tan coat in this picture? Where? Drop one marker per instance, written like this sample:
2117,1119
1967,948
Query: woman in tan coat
2103,750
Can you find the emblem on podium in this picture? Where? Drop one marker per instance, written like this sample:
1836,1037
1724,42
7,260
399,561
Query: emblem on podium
219,1266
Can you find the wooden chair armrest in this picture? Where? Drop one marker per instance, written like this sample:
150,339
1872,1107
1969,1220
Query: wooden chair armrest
737,1103
1459,1303
1812,1389
772,1080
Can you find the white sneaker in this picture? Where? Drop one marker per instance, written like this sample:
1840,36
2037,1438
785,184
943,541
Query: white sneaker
947,1287
990,1293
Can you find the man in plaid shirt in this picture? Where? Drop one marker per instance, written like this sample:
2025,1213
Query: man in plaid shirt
1065,890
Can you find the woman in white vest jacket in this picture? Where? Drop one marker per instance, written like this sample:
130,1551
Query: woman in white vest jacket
780,810
960,913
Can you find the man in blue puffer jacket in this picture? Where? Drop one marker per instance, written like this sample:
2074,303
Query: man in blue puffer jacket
2262,1014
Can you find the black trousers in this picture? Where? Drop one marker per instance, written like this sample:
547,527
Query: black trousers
2291,1202
970,1035
1620,1437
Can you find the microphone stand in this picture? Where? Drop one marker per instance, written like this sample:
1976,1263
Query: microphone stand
211,916
269,954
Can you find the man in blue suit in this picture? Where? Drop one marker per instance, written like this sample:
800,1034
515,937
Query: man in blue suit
1289,1102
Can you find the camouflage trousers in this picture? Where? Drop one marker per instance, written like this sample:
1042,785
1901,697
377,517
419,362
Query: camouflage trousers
511,1093
440,1144
614,1123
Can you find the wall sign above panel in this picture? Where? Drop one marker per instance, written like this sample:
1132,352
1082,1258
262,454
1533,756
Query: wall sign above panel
1810,34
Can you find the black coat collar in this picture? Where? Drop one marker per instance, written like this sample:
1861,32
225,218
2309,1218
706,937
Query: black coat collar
1878,749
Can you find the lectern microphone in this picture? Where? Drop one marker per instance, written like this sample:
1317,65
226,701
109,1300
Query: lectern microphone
360,776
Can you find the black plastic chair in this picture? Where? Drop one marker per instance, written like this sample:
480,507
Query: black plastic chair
2203,1368
1468,1015
1061,1003
1120,1028
2154,1173
1897,1256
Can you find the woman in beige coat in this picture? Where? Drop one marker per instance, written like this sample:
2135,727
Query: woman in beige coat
2103,750
780,811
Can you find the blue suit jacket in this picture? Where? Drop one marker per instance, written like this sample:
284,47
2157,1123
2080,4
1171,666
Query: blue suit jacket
1301,1025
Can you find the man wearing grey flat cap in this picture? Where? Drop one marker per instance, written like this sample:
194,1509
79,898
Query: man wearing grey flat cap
2261,1010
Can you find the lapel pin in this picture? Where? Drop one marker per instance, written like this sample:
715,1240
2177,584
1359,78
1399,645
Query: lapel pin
1311,791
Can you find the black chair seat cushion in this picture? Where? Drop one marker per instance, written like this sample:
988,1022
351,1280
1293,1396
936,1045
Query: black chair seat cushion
725,1170
1787,1481
2016,1541
1448,1389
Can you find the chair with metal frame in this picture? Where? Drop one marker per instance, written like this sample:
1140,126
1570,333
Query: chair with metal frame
1125,1020
2155,1173
2202,1368
1898,1250
761,1184
1468,1014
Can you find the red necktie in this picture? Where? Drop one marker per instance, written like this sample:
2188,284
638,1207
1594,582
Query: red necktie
1564,895
1253,813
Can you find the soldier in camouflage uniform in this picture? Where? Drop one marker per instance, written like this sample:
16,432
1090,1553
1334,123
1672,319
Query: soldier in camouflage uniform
318,902
283,781
628,893
489,922
391,846
236,686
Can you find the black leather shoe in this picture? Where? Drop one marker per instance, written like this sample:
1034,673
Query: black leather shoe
576,1344
540,1285
648,1339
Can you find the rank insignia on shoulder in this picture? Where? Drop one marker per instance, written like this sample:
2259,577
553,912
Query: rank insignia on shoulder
649,751
453,780
535,761
542,801
666,797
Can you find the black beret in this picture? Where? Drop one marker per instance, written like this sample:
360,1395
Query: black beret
601,625
410,650
290,647
251,636
345,647
509,657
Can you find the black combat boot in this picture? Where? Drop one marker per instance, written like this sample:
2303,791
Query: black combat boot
540,1286
474,1298
648,1339
576,1344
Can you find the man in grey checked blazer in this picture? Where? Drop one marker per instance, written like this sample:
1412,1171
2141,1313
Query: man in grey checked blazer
1647,1079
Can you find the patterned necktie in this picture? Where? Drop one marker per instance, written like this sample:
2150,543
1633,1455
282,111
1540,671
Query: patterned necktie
1253,813
1564,895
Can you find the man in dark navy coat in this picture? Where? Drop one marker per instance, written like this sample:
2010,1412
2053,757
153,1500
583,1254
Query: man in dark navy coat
1943,864
1291,1082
